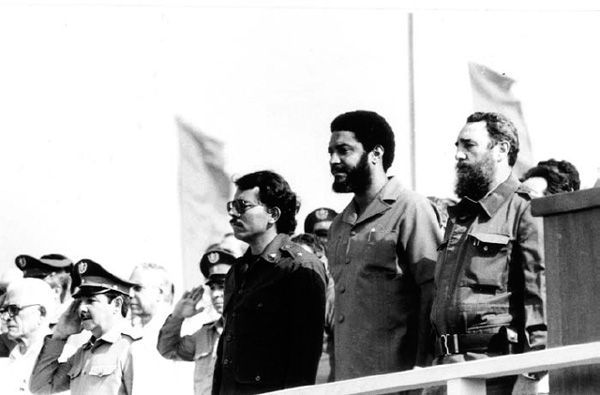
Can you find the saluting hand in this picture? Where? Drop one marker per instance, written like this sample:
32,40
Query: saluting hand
187,305
69,322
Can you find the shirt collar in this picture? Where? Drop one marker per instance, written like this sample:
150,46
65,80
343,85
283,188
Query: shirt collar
382,201
272,252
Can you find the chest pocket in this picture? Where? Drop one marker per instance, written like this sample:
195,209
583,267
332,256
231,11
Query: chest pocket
489,255
102,370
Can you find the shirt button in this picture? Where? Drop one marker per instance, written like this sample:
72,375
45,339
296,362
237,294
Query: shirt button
241,291
226,361
257,378
259,305
228,338
485,248
234,314
341,318
347,261
342,289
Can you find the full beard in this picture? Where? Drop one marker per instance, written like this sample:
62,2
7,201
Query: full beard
474,181
357,180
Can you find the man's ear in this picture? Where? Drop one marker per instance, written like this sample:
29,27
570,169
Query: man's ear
503,148
377,154
118,302
275,214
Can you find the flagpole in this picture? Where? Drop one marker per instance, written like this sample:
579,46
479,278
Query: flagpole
411,105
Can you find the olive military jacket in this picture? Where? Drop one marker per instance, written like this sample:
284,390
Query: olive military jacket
490,272
274,311
382,261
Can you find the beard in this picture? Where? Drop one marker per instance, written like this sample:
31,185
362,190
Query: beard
474,180
357,180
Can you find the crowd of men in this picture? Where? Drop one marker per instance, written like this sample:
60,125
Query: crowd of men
393,282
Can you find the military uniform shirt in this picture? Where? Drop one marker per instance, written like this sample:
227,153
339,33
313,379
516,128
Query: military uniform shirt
102,366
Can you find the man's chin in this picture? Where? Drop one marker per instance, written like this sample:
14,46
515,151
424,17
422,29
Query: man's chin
341,187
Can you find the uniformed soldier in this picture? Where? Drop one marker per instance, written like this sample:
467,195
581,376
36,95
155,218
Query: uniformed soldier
318,222
202,345
103,365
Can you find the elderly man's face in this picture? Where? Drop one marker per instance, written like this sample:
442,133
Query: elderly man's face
28,319
148,294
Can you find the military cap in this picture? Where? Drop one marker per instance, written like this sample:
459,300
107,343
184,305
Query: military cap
215,264
91,279
46,265
319,215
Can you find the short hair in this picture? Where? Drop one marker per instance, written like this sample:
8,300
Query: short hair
34,291
500,129
311,241
274,191
166,284
561,176
112,295
370,129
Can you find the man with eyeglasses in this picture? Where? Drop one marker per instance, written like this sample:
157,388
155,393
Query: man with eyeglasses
25,311
103,365
274,305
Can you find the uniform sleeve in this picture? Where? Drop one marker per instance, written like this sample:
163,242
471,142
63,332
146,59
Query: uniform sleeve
308,318
171,344
531,255
420,236
48,375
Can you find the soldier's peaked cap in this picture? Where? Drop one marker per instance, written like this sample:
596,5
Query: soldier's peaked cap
44,266
92,278
216,261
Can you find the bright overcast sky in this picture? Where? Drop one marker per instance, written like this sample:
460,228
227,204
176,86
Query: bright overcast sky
88,144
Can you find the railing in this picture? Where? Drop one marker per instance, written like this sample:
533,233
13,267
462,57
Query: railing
466,378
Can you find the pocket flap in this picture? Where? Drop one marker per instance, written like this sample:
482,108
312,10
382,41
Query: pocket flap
491,238
102,370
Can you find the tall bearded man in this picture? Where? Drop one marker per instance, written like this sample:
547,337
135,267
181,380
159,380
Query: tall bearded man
381,252
490,281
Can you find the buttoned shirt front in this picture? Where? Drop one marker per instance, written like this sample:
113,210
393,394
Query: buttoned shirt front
382,261
274,312
102,366
490,272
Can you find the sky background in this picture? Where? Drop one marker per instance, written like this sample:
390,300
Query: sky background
90,93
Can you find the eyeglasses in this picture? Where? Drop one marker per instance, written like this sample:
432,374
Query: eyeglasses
13,310
239,207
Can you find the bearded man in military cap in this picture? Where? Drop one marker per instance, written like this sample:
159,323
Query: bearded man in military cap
201,346
103,365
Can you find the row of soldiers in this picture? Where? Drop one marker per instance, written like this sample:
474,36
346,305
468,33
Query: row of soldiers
402,283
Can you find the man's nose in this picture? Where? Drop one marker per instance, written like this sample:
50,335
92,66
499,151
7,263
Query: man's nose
334,158
460,155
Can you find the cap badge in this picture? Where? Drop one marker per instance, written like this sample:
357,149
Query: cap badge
213,257
82,267
322,214
22,262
